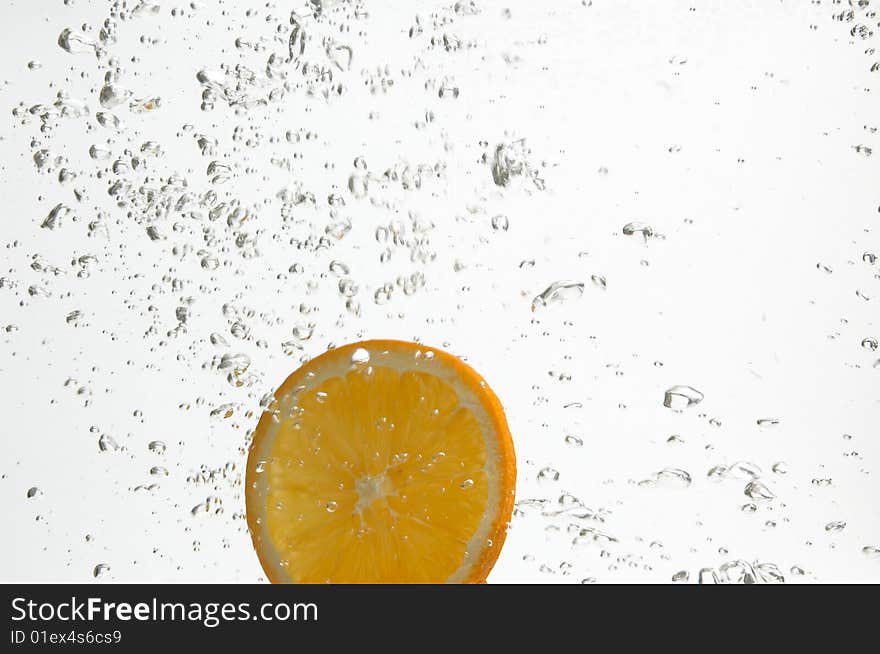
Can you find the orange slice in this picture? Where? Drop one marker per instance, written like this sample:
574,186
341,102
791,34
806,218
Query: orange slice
381,462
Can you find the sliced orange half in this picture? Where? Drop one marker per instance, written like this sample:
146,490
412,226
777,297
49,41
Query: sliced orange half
381,462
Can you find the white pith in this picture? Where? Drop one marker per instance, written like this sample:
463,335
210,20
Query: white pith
369,489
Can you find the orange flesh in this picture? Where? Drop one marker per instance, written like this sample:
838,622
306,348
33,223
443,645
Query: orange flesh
380,475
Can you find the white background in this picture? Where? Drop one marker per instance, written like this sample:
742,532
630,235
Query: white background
761,103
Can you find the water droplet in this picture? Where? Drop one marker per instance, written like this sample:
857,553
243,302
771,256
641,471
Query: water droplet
500,223
112,95
57,216
669,478
558,292
99,153
304,331
360,357
143,105
757,490
642,229
340,55
510,161
708,576
678,398
871,551
109,120
780,468
100,570
106,443
681,576
547,476
737,572
76,42
743,470
358,184
769,573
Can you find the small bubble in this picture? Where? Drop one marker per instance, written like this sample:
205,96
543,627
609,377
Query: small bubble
708,576
681,576
57,216
678,398
100,570
360,357
106,443
76,42
99,153
643,229
157,447
669,478
557,293
500,223
304,331
113,95
780,468
547,476
871,551
757,490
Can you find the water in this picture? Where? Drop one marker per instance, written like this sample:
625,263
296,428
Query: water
199,198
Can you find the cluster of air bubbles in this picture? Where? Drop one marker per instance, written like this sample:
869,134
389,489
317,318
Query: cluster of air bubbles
513,161
737,572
